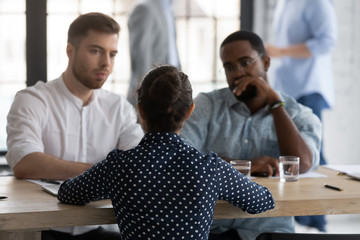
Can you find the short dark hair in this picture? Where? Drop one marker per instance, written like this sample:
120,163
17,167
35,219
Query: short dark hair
95,21
242,35
165,96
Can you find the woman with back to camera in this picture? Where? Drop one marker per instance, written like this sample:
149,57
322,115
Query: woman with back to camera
164,188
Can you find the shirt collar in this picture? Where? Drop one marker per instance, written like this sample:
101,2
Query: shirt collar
77,101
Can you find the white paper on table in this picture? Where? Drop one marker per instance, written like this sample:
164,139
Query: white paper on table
50,188
309,175
305,175
312,175
344,168
3,161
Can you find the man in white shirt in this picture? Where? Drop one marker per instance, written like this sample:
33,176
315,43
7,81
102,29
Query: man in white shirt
57,130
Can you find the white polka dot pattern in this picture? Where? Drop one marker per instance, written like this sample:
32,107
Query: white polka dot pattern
165,189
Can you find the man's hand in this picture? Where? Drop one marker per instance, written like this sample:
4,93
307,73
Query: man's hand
262,166
265,166
265,94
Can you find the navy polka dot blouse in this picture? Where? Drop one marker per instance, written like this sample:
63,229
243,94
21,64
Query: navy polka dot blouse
165,189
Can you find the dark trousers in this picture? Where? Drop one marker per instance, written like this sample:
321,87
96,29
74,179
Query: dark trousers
317,103
95,234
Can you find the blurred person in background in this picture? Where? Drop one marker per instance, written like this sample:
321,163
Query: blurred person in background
305,35
152,39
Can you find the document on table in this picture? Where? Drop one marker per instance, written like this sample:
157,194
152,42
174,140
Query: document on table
344,168
49,186
306,175
3,161
352,171
310,175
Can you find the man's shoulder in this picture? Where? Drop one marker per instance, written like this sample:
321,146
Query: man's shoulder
291,103
211,101
288,99
41,90
108,96
105,97
215,95
297,110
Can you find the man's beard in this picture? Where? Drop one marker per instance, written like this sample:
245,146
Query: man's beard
78,73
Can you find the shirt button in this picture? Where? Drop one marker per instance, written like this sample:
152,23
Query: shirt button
249,119
246,141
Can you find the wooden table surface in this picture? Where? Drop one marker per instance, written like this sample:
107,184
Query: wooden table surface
28,208
307,196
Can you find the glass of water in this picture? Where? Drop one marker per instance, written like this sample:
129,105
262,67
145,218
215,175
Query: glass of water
243,166
289,168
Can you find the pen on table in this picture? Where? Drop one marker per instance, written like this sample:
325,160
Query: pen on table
3,197
332,187
50,181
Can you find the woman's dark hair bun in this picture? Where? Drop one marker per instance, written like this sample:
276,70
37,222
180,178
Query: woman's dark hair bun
165,95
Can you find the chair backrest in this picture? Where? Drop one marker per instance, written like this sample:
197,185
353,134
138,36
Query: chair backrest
306,236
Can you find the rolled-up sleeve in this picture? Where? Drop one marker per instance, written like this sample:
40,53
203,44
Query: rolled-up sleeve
321,15
24,124
310,129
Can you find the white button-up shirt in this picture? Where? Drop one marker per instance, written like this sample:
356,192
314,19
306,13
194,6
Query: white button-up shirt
49,118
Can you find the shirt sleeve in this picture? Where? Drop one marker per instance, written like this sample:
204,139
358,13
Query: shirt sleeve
24,125
241,191
309,126
92,185
322,22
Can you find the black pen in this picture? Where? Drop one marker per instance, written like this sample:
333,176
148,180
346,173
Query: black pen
3,197
332,187
50,181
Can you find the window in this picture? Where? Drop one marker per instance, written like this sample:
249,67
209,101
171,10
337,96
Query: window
201,26
12,58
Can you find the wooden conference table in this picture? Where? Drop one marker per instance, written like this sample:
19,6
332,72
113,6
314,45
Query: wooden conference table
28,209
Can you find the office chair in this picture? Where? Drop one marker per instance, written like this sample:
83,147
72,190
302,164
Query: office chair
306,236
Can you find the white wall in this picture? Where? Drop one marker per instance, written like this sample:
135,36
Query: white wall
342,123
